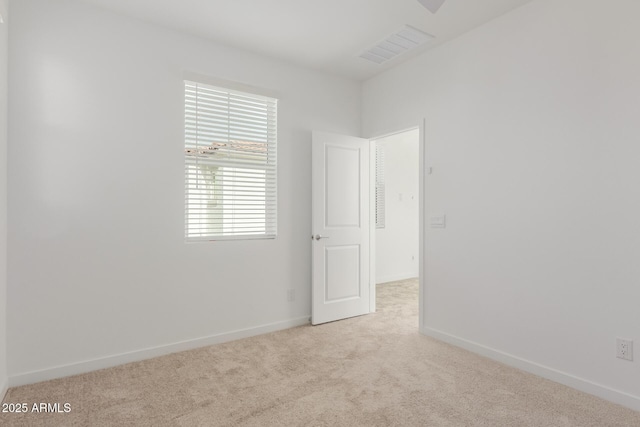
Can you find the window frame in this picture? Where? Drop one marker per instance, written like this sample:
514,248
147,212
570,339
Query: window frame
243,157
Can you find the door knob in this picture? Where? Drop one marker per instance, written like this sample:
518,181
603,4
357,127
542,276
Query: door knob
318,237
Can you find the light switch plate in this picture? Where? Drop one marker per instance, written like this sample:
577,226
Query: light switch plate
438,221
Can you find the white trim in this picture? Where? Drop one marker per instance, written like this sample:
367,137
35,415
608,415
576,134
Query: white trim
135,356
406,129
372,227
4,388
590,387
422,191
395,278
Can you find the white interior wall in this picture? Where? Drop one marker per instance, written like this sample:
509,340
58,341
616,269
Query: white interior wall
531,129
4,33
398,242
99,272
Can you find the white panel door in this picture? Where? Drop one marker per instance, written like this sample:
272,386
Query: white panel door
340,235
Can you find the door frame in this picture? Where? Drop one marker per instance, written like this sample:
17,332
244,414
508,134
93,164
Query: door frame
421,218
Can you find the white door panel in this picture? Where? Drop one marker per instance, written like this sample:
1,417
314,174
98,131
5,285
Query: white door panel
340,227
342,276
342,191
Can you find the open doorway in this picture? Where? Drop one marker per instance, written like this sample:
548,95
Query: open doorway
344,227
397,220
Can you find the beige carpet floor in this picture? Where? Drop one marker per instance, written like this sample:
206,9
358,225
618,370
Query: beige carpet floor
374,370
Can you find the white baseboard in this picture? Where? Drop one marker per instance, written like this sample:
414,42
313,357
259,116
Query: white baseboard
4,388
135,356
395,278
604,392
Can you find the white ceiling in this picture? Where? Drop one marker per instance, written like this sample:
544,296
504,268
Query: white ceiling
327,35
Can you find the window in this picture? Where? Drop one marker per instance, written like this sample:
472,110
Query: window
230,164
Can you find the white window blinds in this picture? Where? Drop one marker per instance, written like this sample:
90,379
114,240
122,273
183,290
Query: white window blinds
230,164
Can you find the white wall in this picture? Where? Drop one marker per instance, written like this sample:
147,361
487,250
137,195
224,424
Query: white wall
4,32
98,263
532,130
397,244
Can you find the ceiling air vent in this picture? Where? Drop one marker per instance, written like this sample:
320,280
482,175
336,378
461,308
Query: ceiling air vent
404,40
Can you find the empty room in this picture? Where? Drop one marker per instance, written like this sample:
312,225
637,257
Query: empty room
306,213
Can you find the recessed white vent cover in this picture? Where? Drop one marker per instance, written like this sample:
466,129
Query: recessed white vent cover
407,38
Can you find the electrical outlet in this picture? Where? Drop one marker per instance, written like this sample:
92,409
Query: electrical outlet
624,349
291,295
